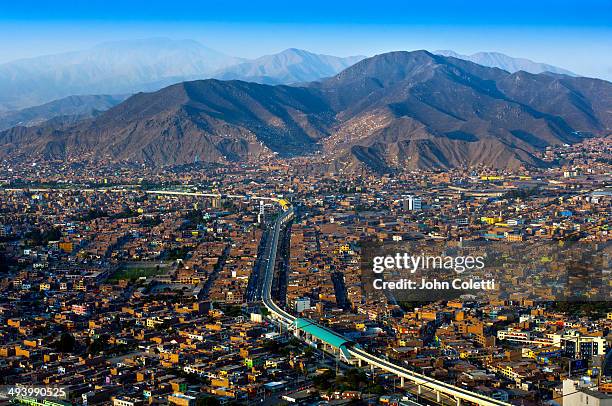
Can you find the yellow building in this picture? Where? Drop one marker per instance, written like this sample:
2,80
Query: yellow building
491,220
181,399
67,247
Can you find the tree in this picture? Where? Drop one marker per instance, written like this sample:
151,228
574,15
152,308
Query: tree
308,352
40,238
233,311
98,345
207,401
65,343
5,263
324,380
377,390
353,379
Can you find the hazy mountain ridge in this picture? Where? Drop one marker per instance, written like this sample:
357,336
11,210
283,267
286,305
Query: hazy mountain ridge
127,67
290,66
507,63
395,111
72,107
111,68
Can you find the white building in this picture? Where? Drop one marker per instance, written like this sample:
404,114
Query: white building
301,304
414,203
583,393
578,346
528,337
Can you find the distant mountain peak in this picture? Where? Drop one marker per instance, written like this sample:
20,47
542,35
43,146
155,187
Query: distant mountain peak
116,67
389,67
149,64
289,66
153,41
507,63
295,51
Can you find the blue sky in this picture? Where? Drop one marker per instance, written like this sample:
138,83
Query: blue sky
576,35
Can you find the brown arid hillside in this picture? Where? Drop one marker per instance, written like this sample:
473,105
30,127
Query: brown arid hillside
400,110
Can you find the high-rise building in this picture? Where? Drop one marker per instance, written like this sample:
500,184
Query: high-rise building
262,212
414,203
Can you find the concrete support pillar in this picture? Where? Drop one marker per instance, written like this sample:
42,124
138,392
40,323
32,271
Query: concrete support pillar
359,362
458,402
419,389
402,381
438,396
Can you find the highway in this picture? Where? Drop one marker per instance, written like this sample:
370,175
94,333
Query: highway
439,387
274,309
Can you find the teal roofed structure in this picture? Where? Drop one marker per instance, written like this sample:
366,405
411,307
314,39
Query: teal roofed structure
324,334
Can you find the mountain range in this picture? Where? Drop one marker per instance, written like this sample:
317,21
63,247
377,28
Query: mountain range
507,63
390,112
127,67
71,108
109,68
290,66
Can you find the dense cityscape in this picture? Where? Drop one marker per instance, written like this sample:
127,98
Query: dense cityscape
126,284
